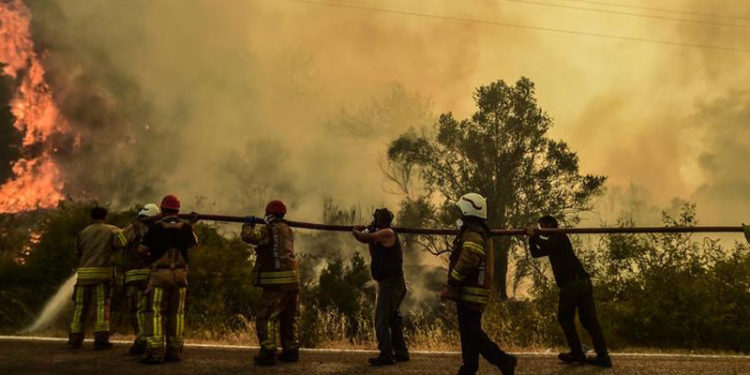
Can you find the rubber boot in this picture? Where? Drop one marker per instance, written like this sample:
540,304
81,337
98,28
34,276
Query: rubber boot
265,358
138,347
173,354
153,357
101,341
75,340
290,355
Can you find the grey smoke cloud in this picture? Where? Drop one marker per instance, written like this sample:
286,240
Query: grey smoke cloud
228,103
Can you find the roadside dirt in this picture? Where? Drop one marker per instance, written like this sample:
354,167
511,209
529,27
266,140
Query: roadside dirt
44,357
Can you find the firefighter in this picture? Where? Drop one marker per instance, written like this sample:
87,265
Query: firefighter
136,270
576,292
166,245
469,283
387,270
277,273
95,246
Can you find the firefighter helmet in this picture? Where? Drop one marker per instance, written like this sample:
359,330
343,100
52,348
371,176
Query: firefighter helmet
276,207
170,202
149,210
473,204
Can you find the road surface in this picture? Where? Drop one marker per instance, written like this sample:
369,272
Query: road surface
41,357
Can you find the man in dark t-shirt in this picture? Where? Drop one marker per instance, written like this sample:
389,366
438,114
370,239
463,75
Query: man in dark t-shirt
387,270
576,292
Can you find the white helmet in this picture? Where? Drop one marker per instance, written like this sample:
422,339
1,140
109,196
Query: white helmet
473,204
149,210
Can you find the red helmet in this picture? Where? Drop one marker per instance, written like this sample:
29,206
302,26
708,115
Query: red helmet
170,202
276,207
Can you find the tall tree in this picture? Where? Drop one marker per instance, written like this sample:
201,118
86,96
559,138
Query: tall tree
504,153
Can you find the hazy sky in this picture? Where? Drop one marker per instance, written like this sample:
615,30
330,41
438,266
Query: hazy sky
261,88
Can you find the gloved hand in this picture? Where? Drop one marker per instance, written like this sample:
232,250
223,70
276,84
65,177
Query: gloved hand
448,293
193,218
250,220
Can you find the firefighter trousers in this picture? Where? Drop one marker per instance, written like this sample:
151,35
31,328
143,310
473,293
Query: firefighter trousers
83,296
278,311
164,320
135,304
474,341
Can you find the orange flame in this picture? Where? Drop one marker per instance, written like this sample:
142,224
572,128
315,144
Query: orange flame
36,182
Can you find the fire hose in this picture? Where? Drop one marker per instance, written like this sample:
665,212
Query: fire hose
495,232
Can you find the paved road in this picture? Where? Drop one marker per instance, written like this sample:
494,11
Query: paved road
52,357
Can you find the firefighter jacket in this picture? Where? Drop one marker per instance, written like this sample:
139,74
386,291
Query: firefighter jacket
95,246
135,265
168,241
470,268
276,266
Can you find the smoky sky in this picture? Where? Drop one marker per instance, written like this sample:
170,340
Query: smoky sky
228,103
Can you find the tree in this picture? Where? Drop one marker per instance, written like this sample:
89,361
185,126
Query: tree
502,152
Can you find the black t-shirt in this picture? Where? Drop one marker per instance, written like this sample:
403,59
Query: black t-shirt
387,262
169,233
565,263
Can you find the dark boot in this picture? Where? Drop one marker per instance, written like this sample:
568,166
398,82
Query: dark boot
138,347
291,355
265,358
403,357
152,358
173,355
381,360
101,341
573,358
600,360
75,340
508,365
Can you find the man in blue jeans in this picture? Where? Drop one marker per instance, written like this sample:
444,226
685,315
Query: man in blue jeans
387,270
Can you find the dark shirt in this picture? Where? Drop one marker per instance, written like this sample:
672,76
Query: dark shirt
565,264
169,233
387,262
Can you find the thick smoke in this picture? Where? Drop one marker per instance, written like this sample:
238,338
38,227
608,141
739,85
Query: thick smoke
228,103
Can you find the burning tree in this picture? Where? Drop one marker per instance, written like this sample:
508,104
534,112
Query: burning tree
36,181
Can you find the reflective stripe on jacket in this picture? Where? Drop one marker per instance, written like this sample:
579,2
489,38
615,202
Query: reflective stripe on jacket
276,265
470,268
96,245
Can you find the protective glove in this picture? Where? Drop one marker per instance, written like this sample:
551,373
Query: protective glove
250,221
449,292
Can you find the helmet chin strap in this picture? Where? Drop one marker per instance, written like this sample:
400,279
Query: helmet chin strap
459,224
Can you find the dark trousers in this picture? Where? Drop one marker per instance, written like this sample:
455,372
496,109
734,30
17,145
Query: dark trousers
579,294
278,311
475,342
389,329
